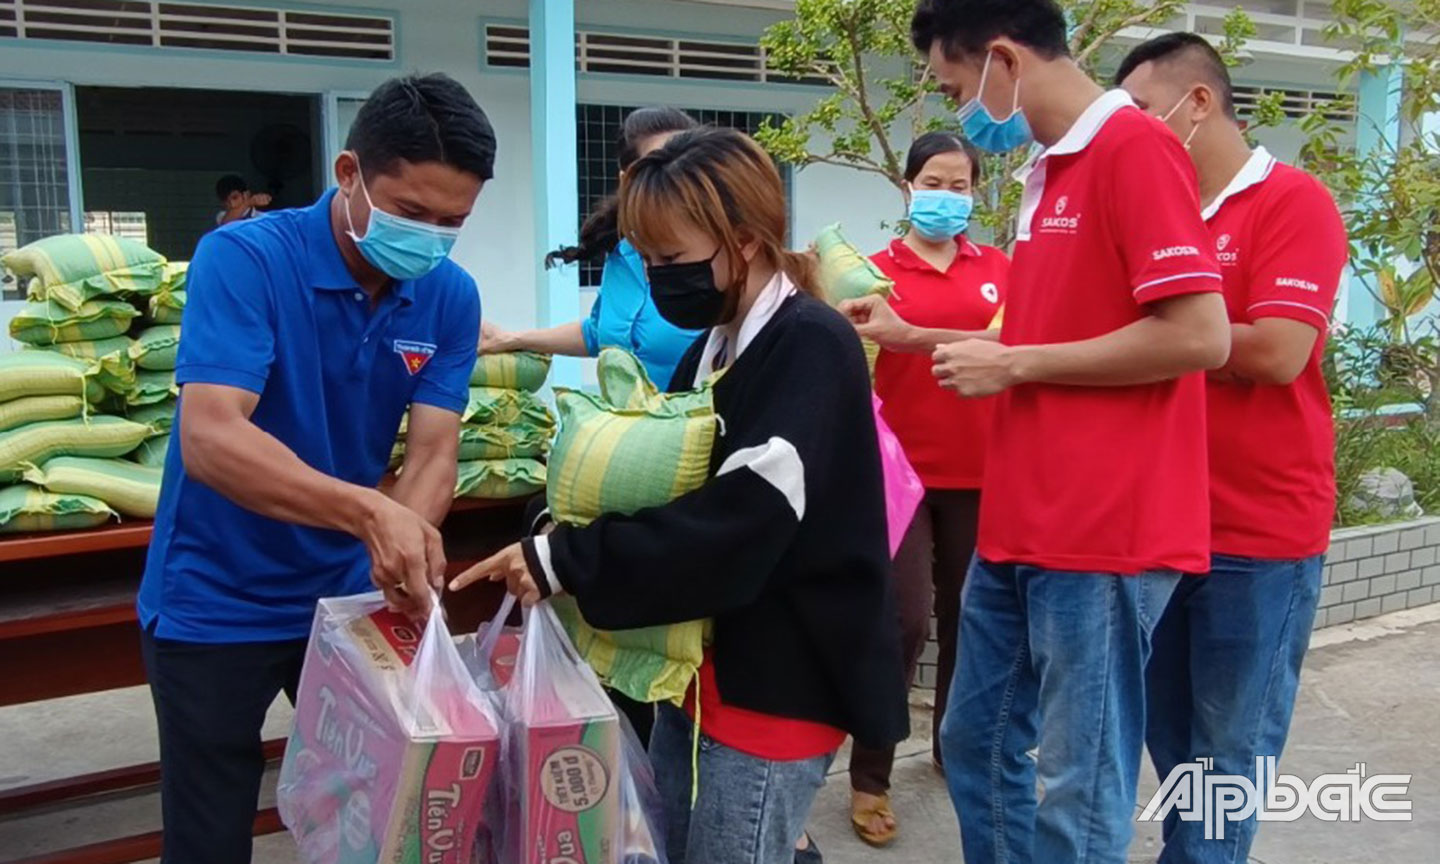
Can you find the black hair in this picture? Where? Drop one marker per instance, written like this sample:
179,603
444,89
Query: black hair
600,233
423,118
933,144
229,184
965,27
1205,62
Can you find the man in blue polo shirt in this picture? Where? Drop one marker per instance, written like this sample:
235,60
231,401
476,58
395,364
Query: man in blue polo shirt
308,334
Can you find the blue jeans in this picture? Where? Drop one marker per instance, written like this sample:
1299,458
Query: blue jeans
1056,661
1223,677
750,810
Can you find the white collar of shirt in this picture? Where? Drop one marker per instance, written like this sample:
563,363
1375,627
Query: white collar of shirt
761,311
1075,139
1256,169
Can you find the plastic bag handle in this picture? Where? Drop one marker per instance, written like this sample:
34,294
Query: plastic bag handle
485,648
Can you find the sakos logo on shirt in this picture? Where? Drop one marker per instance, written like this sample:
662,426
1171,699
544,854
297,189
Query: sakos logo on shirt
415,354
1227,258
1174,252
990,292
1060,223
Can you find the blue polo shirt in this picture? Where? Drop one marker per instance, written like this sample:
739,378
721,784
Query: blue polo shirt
272,309
624,316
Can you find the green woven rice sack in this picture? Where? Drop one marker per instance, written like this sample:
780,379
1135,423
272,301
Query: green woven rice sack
155,347
650,664
151,387
47,322
630,448
152,452
173,277
35,443
131,489
645,452
492,406
34,409
26,508
500,478
89,350
625,384
521,441
517,370
159,416
846,274
167,307
44,373
73,268
517,441
113,369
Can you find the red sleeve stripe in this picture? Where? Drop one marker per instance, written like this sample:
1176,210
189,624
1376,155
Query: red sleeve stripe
1153,282
1323,317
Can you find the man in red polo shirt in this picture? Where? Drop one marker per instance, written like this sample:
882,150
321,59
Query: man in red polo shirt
1228,650
1096,484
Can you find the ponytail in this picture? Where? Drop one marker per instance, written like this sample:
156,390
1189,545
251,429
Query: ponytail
599,235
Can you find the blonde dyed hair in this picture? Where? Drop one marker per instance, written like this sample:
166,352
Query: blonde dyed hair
721,182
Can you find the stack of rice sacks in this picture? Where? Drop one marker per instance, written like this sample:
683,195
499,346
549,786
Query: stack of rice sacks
505,429
846,274
93,382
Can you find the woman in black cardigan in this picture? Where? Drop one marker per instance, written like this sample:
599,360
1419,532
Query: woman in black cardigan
784,547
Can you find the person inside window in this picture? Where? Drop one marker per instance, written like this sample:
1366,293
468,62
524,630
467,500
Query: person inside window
785,546
237,202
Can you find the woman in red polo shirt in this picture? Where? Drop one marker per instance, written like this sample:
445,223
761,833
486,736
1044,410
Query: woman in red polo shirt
946,287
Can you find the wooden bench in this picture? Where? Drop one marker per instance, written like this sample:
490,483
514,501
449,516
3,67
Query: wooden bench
68,626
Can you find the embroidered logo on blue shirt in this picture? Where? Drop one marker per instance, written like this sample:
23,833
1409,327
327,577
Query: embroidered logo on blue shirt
415,354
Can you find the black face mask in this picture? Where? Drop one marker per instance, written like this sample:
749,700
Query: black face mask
686,294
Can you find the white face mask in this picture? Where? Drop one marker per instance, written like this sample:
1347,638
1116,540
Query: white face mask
1171,113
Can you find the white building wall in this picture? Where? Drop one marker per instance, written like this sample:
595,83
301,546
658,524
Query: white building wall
498,245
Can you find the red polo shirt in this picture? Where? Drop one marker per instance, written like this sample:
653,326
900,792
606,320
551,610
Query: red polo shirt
1282,249
1107,479
943,435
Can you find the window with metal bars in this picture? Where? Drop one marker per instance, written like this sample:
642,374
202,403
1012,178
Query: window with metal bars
508,46
34,173
255,29
598,138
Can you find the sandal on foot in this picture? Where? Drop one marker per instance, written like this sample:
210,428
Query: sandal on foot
861,817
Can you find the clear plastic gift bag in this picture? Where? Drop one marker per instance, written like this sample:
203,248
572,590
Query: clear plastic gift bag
577,785
392,756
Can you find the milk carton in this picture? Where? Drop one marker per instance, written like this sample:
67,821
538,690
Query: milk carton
393,749
564,786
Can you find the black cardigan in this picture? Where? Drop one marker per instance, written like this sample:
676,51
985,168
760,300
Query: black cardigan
792,562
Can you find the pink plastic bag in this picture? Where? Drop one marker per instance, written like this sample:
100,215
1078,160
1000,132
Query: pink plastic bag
903,489
394,746
578,786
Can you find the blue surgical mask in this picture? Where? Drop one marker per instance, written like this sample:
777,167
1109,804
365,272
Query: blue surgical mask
939,214
401,248
987,133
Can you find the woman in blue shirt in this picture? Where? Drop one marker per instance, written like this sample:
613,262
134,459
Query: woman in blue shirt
623,315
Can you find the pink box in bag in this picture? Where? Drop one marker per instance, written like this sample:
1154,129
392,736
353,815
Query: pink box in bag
563,777
393,748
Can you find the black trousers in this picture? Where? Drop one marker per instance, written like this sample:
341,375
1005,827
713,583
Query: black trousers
210,702
928,574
